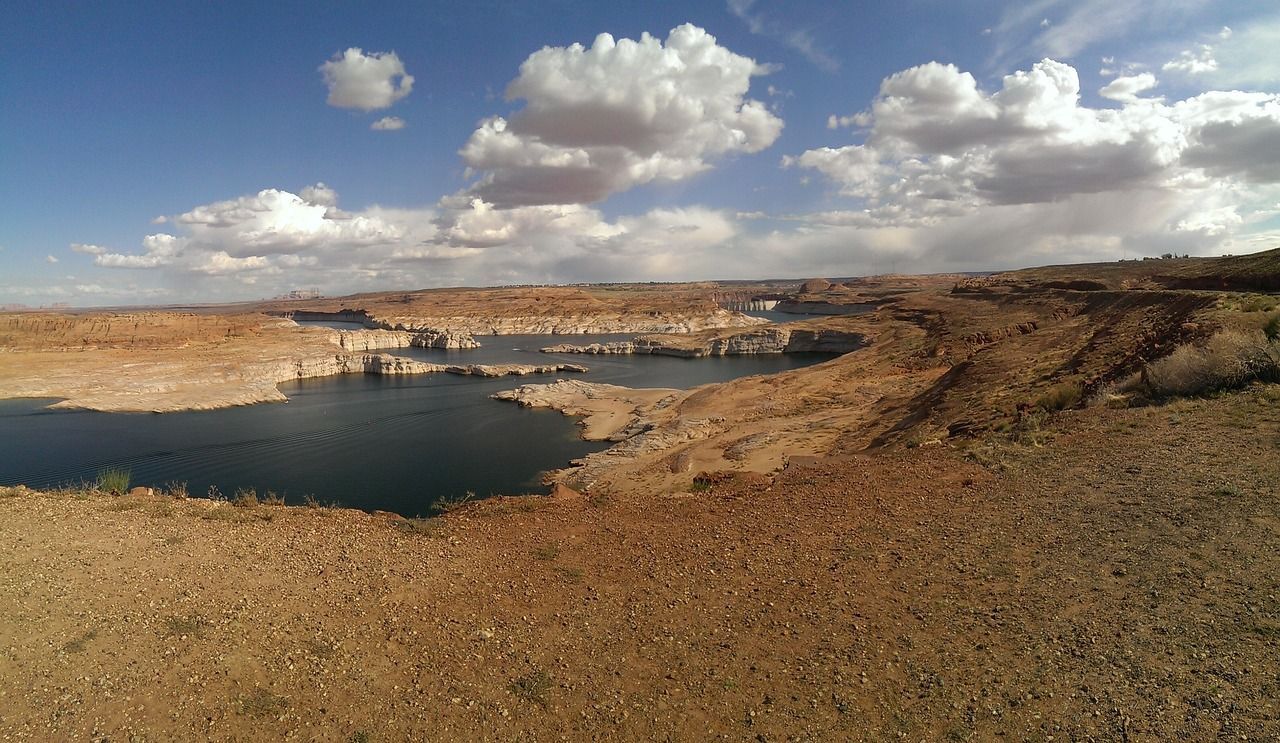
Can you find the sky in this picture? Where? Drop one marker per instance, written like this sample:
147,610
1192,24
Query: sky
175,152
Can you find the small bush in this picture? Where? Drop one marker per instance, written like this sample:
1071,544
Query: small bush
1272,328
1060,397
245,498
532,687
262,703
113,480
1230,360
447,503
700,485
176,490
272,498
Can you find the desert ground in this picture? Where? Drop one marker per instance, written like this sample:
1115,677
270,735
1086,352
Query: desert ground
1040,505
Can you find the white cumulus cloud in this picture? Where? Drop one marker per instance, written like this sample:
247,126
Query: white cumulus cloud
1126,89
388,124
618,114
366,82
1028,170
1195,61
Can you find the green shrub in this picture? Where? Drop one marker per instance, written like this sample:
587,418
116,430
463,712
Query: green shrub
113,480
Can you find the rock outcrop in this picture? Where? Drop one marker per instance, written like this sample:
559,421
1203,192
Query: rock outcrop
778,339
371,340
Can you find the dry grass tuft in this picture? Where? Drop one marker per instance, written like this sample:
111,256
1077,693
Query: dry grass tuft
1229,360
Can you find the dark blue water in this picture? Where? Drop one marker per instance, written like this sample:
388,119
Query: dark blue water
334,324
783,317
372,442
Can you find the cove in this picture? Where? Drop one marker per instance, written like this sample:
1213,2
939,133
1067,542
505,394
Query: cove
360,441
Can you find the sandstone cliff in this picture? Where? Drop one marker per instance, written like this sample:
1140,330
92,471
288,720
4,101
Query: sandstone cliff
370,340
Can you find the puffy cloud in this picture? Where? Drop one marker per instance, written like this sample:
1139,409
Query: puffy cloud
619,114
387,124
276,222
269,232
366,82
937,144
159,250
1125,89
50,259
1195,61
1027,172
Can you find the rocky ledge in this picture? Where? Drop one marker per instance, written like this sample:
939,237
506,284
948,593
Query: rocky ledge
760,341
369,340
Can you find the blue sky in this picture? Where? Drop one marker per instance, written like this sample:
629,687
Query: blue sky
179,147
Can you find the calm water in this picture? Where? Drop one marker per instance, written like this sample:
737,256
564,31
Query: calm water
781,317
392,443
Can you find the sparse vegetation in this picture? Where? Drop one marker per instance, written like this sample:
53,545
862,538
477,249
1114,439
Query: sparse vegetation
548,551
1060,397
233,514
176,490
447,503
81,642
262,703
700,485
532,687
245,498
429,527
113,480
1230,360
191,625
569,573
272,498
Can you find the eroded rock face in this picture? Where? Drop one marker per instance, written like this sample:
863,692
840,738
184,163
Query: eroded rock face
370,340
814,286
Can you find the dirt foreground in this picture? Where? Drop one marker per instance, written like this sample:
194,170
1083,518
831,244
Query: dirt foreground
1076,596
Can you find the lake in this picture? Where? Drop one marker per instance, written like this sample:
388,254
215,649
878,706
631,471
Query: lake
394,443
